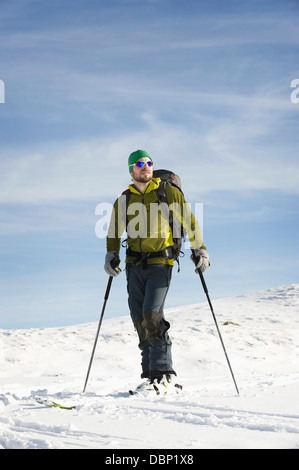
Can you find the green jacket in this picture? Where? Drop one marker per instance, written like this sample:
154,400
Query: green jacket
147,227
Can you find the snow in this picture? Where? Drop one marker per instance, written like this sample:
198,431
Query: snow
261,339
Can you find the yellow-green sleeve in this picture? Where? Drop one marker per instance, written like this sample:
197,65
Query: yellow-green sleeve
117,225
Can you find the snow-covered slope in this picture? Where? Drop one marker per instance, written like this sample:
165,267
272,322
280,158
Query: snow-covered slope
261,340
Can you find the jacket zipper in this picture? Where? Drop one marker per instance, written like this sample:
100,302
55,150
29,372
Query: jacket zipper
145,221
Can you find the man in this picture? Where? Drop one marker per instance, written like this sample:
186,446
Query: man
149,261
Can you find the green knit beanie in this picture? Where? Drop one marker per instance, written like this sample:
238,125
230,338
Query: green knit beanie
135,156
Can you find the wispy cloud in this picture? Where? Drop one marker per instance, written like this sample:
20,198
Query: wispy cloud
225,156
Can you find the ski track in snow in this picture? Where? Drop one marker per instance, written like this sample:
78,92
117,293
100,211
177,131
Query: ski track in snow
263,349
119,410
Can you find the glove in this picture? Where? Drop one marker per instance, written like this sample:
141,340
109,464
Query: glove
111,263
200,258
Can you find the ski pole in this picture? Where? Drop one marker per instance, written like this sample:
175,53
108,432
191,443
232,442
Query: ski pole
99,327
212,310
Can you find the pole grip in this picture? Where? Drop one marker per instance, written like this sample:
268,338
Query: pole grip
196,259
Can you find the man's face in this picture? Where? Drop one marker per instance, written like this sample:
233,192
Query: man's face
143,174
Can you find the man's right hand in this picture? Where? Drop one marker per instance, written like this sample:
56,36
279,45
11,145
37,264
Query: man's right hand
112,262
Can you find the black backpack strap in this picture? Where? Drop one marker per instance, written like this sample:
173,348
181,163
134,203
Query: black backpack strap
162,197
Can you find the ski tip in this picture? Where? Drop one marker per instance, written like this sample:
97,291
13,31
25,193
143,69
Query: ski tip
52,404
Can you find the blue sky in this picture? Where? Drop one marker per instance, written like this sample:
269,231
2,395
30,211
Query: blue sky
203,86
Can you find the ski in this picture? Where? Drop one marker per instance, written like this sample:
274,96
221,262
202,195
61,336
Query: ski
137,393
52,404
140,393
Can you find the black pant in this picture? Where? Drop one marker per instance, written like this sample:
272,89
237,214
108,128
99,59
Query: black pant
147,290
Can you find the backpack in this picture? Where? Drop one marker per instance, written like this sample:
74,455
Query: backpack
167,177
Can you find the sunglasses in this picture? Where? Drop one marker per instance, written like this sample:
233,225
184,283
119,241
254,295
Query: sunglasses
141,164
